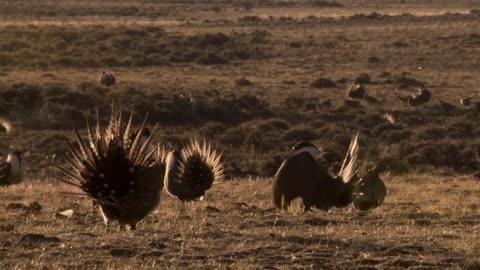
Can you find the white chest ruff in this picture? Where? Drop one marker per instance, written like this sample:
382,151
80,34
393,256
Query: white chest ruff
15,168
313,151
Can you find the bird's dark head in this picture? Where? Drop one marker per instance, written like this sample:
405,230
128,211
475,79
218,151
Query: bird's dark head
17,153
146,132
177,153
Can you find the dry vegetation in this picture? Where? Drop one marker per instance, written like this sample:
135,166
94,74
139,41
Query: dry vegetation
236,227
254,77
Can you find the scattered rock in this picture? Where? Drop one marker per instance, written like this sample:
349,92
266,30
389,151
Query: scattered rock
66,213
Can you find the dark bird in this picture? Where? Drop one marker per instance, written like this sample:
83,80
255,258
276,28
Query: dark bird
372,189
465,101
422,97
356,91
190,172
11,169
107,78
447,106
116,171
302,176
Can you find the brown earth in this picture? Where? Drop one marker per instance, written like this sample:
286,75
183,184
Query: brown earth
254,77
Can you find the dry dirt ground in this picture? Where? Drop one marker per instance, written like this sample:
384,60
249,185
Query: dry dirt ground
425,223
254,77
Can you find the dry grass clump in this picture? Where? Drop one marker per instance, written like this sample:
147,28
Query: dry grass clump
323,3
458,156
237,226
324,83
57,46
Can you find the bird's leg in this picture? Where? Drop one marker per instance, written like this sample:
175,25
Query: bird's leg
180,208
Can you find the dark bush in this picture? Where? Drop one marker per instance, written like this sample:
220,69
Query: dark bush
323,83
298,134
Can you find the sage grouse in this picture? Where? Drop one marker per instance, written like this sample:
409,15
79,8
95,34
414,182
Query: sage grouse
192,171
116,171
465,101
356,91
107,78
422,97
11,169
372,189
300,175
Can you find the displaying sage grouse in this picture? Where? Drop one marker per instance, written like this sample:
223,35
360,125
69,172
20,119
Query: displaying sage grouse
11,169
422,97
372,189
116,171
465,101
356,91
190,172
107,78
301,176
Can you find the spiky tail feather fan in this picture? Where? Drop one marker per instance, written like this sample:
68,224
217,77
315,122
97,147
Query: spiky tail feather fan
6,125
193,171
115,170
349,170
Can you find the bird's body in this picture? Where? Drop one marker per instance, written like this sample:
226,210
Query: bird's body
465,101
190,172
356,91
11,169
107,78
302,176
372,189
116,171
422,97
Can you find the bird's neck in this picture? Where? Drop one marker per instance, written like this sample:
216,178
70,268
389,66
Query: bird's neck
313,151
